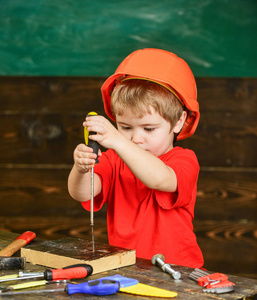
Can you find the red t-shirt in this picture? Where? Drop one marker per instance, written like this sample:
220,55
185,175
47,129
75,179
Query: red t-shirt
150,221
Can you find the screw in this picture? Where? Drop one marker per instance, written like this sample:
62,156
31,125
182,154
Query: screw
158,259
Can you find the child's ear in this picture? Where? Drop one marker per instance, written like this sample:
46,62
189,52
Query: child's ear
178,127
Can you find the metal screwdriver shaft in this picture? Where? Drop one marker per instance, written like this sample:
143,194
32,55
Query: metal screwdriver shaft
95,146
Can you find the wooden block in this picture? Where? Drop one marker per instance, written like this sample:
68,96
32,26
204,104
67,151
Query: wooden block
68,251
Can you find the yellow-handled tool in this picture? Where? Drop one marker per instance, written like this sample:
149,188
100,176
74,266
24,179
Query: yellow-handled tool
30,284
95,146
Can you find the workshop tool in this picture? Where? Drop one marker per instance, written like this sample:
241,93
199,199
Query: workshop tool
95,287
95,146
18,243
158,260
104,286
12,263
70,272
30,284
212,282
132,286
11,277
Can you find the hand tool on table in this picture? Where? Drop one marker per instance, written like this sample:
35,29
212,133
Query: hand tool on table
12,263
212,282
30,284
95,146
158,259
95,287
19,242
12,277
106,286
70,272
132,286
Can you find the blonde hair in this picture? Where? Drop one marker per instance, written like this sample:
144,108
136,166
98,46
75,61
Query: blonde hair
142,95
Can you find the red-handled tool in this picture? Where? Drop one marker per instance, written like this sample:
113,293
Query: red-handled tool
18,243
211,278
70,272
212,282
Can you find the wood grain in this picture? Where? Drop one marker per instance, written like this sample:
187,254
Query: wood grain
41,124
70,251
222,194
223,242
41,117
145,272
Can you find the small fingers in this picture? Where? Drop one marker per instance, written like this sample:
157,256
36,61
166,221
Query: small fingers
96,124
84,165
84,158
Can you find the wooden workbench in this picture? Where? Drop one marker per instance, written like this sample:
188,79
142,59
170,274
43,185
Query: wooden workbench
146,273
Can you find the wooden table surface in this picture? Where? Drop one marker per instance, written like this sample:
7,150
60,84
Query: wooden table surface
146,273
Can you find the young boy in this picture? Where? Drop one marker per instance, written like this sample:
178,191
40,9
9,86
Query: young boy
148,184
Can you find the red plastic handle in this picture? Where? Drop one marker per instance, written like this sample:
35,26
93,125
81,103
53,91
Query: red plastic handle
26,236
72,272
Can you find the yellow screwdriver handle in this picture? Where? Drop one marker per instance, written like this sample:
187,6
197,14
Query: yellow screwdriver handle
27,284
86,132
5,277
88,142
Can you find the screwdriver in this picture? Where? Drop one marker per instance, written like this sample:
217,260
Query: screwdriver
30,284
95,146
70,272
99,287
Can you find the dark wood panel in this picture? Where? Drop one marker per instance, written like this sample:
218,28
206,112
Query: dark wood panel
227,131
228,194
227,95
65,94
41,117
57,227
34,192
40,138
222,195
50,94
228,246
51,138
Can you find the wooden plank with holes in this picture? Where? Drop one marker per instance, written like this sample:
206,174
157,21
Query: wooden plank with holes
69,251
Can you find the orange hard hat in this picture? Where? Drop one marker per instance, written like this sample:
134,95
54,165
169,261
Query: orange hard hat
162,67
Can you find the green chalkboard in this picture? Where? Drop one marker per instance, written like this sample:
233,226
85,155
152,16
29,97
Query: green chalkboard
91,37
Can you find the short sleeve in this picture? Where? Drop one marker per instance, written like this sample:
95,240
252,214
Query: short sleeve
186,167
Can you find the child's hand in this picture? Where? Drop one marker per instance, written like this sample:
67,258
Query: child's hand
107,135
84,158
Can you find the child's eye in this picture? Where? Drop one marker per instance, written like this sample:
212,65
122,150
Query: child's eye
126,128
149,128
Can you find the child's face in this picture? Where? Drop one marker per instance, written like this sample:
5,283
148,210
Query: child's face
151,132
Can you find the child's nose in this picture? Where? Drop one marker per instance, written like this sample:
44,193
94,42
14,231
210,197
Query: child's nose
137,137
